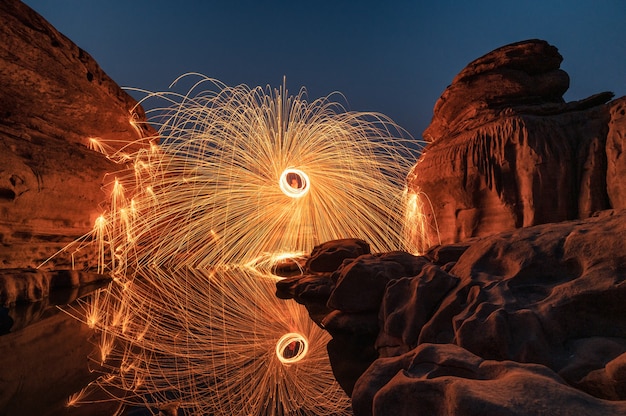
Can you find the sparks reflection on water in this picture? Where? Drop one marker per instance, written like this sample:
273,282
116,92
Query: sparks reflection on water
241,179
209,342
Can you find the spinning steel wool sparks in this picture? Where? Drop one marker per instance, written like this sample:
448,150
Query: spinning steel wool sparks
240,178
242,173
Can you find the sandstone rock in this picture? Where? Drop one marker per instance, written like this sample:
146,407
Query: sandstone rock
359,323
520,73
361,283
306,287
447,254
34,285
52,87
507,152
549,295
409,303
616,157
525,321
444,379
327,257
350,355
55,98
528,321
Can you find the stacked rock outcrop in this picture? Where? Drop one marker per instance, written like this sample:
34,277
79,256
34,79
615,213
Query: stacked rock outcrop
506,151
55,98
529,321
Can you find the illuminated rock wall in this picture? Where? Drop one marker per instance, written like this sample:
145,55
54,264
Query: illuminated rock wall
506,151
522,311
54,98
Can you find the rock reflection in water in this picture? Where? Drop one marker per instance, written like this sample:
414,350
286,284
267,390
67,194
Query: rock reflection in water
44,359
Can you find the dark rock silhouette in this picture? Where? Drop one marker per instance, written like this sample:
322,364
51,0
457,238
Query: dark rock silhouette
444,379
55,98
327,257
529,321
506,151
6,321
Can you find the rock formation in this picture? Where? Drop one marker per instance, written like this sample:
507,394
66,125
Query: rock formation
513,318
616,159
506,151
55,98
530,321
521,310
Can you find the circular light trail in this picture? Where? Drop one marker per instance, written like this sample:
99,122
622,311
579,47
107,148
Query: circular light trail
207,195
291,348
216,342
294,183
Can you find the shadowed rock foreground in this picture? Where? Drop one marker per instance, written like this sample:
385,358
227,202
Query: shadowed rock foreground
524,322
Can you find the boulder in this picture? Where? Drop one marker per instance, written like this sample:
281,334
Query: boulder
367,277
444,379
328,256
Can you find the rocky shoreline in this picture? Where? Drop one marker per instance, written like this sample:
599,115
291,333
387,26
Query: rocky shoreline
529,321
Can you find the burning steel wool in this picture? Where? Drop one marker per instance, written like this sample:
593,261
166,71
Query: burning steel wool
237,179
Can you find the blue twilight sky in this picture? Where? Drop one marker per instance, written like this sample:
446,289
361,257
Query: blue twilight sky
391,56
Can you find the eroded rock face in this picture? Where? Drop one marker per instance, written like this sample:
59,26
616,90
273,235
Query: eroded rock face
443,379
524,322
616,157
522,73
52,87
506,151
327,257
55,98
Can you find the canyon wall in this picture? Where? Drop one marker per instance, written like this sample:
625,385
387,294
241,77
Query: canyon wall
55,100
517,308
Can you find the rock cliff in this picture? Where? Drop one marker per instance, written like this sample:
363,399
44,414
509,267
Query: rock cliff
55,98
506,151
520,311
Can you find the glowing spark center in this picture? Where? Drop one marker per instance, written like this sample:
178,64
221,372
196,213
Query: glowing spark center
291,348
294,183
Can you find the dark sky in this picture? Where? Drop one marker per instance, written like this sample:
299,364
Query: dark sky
393,57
